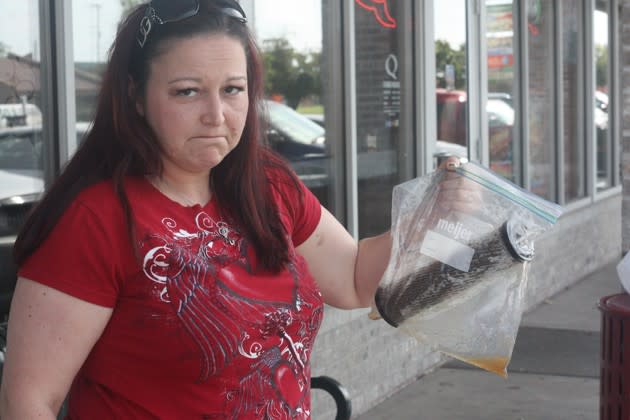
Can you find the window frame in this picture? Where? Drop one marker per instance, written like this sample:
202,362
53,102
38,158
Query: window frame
58,110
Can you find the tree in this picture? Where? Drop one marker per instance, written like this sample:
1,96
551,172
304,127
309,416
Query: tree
444,55
4,50
278,61
601,65
310,63
289,73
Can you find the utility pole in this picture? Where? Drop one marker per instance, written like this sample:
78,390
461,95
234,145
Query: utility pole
97,7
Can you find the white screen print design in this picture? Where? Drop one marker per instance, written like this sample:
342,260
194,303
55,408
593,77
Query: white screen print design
195,270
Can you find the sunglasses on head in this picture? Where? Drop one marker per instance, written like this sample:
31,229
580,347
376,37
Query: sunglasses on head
165,11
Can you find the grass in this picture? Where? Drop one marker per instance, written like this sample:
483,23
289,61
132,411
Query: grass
311,109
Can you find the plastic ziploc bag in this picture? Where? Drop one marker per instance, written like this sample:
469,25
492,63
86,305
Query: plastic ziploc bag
455,278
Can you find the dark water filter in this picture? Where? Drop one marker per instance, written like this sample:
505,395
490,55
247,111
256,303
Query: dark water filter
435,282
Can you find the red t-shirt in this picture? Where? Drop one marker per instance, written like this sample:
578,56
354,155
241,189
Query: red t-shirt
194,333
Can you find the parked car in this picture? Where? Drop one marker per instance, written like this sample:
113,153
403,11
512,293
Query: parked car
284,118
14,115
301,141
316,118
452,125
601,100
601,130
505,97
21,184
451,114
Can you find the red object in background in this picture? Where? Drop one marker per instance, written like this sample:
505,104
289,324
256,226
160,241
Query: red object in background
614,396
277,97
500,60
451,113
380,10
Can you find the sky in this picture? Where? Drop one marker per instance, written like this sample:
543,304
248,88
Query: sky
18,27
450,21
297,20
300,22
303,28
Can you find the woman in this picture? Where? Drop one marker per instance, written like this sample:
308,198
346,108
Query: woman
177,268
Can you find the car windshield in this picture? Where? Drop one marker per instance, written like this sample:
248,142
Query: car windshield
21,149
601,100
295,125
499,112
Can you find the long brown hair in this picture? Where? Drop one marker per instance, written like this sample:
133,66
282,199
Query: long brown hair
121,143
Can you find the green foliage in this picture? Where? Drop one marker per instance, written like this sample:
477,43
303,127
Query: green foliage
290,73
311,109
4,50
444,55
601,65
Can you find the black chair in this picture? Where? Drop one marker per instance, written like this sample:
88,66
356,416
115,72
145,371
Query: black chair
338,392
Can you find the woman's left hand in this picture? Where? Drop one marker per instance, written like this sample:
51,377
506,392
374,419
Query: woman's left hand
457,192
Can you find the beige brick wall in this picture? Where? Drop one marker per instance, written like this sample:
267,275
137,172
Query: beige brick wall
624,64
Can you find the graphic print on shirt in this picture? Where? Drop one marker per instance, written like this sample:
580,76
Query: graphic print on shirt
234,316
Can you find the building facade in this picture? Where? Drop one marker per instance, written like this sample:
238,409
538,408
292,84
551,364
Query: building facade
536,90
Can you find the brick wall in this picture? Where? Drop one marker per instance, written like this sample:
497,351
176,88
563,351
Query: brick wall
624,102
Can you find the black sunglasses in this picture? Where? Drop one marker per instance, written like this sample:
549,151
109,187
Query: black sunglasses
165,11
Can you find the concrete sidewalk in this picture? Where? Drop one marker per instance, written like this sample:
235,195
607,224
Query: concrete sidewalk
553,374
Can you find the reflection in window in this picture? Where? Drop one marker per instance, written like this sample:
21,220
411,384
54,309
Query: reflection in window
291,43
21,146
21,160
540,33
291,49
601,111
502,87
574,161
94,27
451,83
379,89
295,125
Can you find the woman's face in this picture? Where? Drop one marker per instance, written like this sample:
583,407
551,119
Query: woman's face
196,101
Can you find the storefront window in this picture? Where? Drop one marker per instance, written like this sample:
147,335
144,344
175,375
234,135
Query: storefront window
291,43
291,48
502,87
540,35
451,83
601,110
94,24
21,146
382,149
573,136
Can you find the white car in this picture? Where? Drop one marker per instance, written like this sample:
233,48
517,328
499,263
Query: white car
21,185
21,174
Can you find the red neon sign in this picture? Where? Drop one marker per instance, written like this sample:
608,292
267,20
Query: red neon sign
380,10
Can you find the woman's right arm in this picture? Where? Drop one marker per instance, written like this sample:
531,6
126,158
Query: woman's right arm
50,334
